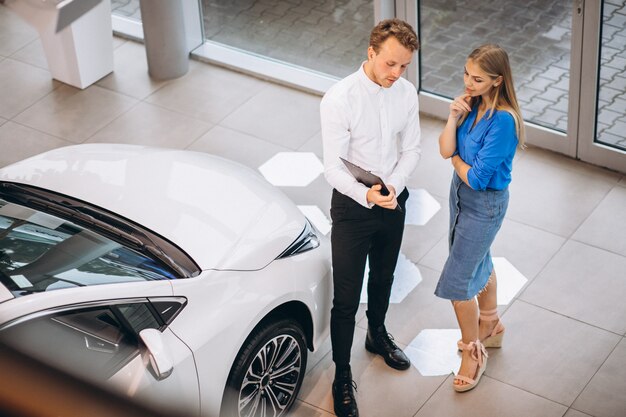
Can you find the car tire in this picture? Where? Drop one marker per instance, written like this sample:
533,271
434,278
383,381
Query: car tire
267,374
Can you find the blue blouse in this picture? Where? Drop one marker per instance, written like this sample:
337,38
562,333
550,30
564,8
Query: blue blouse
489,148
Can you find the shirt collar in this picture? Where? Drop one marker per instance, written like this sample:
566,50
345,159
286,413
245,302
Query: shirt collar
369,85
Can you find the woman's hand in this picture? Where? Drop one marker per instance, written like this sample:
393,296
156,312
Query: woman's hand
460,106
447,138
461,167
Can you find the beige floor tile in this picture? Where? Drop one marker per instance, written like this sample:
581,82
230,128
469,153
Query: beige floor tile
606,226
22,85
278,114
433,173
573,165
584,283
15,33
130,72
382,391
604,395
548,354
431,123
575,413
230,144
207,92
32,54
419,240
436,257
118,41
75,114
316,357
490,398
21,142
529,249
317,193
146,124
420,310
552,198
314,144
302,409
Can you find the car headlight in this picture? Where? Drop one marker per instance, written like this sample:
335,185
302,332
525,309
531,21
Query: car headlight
306,241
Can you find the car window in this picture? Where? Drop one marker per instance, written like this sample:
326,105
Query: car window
40,252
95,342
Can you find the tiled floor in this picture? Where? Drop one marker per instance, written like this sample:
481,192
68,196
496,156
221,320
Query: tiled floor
561,251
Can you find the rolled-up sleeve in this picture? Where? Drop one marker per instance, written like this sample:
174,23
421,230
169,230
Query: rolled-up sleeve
336,140
409,146
500,141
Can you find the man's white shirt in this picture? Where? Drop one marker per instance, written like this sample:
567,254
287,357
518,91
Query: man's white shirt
374,127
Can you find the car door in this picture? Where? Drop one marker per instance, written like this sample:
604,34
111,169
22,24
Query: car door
105,342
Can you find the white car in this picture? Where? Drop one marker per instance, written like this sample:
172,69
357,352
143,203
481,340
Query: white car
180,278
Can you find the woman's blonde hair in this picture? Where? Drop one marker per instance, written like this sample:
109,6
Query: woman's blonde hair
494,61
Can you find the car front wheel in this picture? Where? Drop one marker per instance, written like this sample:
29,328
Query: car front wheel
268,372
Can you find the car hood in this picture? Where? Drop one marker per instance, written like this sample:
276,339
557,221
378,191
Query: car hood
222,214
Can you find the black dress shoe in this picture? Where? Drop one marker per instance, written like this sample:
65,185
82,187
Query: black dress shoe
380,342
343,395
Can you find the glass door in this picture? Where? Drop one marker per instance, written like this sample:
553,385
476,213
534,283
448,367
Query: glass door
126,20
602,120
309,44
571,88
538,38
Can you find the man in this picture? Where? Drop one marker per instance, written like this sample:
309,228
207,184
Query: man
371,119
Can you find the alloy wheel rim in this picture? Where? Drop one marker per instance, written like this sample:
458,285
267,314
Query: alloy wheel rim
271,379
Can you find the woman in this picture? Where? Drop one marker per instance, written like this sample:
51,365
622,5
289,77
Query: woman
481,135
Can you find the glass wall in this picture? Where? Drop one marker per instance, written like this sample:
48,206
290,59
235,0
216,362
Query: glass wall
327,36
126,8
611,105
536,35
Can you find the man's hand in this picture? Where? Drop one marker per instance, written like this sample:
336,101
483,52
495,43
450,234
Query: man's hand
384,201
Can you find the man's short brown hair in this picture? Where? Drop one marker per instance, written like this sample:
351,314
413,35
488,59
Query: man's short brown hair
397,28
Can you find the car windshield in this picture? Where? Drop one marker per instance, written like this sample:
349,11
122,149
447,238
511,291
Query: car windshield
41,252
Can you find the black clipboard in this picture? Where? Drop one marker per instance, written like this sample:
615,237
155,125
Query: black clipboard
367,178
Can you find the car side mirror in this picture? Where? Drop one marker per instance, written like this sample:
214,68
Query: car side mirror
160,358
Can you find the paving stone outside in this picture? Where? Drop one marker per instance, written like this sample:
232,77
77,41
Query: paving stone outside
331,36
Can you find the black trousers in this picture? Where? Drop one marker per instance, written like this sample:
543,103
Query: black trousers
357,233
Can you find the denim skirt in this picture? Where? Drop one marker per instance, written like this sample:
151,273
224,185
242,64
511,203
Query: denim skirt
475,218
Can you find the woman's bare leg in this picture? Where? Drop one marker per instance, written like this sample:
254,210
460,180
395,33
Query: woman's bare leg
488,300
467,317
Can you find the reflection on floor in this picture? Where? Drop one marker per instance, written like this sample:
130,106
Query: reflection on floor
433,352
420,207
406,277
510,280
292,169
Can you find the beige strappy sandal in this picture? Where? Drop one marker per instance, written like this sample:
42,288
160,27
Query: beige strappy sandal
494,340
478,354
